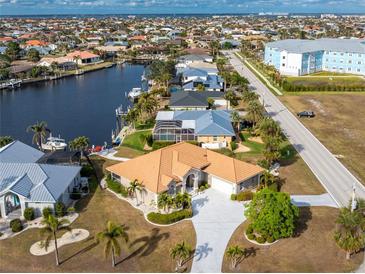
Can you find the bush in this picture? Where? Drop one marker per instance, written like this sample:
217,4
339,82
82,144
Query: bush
204,186
46,212
29,214
249,230
170,218
263,163
233,146
244,196
233,197
71,210
149,140
270,239
16,225
86,171
242,137
251,237
261,240
274,187
60,209
159,144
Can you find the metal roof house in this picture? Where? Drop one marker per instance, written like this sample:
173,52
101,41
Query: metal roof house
211,128
193,100
25,183
300,57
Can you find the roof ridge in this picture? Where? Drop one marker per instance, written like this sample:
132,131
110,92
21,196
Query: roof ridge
159,169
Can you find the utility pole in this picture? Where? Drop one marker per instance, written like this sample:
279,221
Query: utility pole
353,200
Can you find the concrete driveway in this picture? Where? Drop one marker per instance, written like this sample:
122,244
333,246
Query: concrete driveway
215,219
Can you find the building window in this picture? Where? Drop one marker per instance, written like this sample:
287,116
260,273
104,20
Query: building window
215,138
359,62
283,57
283,64
350,62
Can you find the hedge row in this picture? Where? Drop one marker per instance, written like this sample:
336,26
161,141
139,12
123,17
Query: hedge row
242,196
164,219
116,187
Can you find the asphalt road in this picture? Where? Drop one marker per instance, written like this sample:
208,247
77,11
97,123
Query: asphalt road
333,175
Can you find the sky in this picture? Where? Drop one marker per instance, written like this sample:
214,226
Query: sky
27,7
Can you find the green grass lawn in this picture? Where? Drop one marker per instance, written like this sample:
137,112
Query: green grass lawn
128,152
320,81
136,140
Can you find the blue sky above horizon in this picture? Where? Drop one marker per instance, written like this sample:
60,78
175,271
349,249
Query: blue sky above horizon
27,7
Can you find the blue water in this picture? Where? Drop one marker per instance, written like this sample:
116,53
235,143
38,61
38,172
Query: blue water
72,106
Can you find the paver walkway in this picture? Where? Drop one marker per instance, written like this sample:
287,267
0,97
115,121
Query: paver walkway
215,219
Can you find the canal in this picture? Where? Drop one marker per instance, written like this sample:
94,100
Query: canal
72,106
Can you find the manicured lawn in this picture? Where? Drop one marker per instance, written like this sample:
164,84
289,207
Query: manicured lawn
339,124
147,250
312,250
136,140
128,152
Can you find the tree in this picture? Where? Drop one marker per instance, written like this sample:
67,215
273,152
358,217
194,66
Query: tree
254,112
5,140
110,235
40,131
200,87
180,252
33,55
51,226
4,73
210,102
272,149
272,214
236,119
267,178
349,234
235,254
269,128
232,98
249,96
183,200
133,187
5,61
79,144
12,50
164,201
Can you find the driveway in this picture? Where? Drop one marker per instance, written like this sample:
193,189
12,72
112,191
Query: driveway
332,174
215,219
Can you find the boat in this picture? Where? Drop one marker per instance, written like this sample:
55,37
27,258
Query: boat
135,93
54,143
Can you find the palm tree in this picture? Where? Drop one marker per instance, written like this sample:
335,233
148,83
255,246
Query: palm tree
235,253
79,144
110,235
267,178
272,149
183,200
269,128
249,96
164,201
51,226
180,252
134,186
236,119
349,235
39,133
5,140
254,112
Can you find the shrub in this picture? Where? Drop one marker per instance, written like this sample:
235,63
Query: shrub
251,237
242,137
149,139
233,146
116,187
159,144
249,230
244,195
270,239
233,197
46,212
60,209
16,225
204,186
29,214
86,171
274,187
170,218
261,240
71,210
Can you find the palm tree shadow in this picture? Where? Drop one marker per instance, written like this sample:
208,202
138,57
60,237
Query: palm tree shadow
85,249
149,244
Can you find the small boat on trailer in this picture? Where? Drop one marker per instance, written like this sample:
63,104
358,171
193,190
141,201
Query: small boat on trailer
54,143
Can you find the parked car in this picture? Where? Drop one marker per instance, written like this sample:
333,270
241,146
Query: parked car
309,114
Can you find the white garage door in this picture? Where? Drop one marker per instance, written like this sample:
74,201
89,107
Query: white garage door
222,186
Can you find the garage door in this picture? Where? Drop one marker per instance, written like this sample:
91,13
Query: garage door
222,186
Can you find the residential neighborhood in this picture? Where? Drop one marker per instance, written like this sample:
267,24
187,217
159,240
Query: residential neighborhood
176,143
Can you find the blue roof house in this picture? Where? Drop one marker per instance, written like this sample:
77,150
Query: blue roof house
25,183
210,128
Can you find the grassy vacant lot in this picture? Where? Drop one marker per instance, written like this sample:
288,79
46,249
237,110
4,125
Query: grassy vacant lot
312,250
318,81
339,124
147,250
136,140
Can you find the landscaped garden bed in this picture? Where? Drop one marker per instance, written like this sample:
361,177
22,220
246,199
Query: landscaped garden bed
169,218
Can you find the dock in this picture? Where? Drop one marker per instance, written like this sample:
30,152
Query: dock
11,84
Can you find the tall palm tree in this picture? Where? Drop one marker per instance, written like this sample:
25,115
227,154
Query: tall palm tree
51,226
183,200
350,232
5,140
235,253
110,235
269,128
180,252
40,131
79,144
254,112
163,201
133,187
236,119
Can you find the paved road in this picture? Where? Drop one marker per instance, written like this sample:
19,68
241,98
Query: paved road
215,218
334,176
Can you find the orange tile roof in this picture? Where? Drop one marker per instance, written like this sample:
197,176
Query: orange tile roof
158,168
82,54
35,43
6,39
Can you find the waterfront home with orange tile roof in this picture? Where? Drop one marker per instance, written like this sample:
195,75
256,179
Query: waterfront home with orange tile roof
83,57
35,43
184,167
